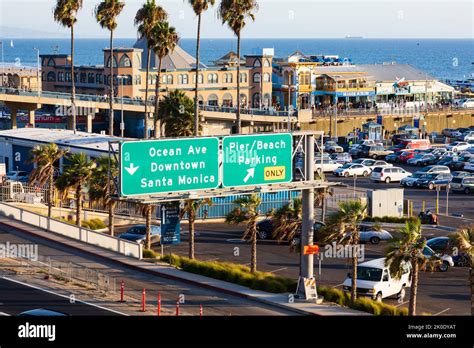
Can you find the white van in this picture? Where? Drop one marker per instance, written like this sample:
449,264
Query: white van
374,280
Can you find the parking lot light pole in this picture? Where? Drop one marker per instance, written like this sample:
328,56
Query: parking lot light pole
447,199
122,125
355,183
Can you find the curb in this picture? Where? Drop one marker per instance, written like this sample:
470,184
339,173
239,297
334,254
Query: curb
163,275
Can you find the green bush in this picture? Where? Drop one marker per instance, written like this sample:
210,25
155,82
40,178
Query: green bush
389,219
149,254
96,224
233,273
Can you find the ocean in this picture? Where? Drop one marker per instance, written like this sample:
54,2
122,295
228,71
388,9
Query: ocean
442,58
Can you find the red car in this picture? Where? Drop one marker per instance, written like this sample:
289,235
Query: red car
405,156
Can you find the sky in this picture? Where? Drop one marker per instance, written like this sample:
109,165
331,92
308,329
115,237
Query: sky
274,19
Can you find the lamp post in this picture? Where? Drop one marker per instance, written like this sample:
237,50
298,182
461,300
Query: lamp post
37,70
122,125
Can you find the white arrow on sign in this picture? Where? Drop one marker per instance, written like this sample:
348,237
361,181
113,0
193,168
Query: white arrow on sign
132,169
250,174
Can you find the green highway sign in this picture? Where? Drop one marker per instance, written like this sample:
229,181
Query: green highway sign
158,166
257,159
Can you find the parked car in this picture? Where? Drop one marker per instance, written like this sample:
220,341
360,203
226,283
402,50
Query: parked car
462,184
460,174
375,281
137,234
406,155
469,166
458,146
351,169
331,146
468,136
393,157
328,165
447,132
446,261
444,245
368,234
378,163
460,163
364,161
432,181
17,175
447,161
374,151
42,312
342,158
389,174
266,227
409,181
434,169
468,103
422,159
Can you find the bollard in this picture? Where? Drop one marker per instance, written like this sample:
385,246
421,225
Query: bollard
143,300
200,311
177,308
159,304
423,206
122,287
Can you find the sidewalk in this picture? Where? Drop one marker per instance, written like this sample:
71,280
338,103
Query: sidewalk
161,269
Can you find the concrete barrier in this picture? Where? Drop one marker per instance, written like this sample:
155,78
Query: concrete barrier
85,235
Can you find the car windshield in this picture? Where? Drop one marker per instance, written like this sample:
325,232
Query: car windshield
425,169
369,273
457,180
347,165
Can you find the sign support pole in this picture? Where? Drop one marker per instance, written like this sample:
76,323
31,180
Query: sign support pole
307,232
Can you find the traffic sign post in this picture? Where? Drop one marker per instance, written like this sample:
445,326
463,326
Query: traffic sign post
158,166
170,224
257,159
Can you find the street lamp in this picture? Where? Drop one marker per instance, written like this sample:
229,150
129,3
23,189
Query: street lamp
37,69
122,125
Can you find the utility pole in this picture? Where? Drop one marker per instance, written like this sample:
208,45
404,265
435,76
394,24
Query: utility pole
37,70
122,125
307,232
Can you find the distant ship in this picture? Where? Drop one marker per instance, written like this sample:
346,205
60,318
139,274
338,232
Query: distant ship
353,37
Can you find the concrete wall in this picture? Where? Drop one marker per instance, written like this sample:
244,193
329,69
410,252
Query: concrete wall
85,235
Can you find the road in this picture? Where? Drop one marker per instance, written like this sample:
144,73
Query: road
18,297
213,303
437,292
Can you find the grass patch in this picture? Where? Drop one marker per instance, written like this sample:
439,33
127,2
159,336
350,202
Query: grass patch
149,254
233,273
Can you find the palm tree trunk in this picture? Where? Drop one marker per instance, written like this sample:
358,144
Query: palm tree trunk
157,101
253,262
79,205
51,194
191,221
73,82
111,216
354,270
196,87
323,208
111,84
146,90
148,227
414,288
238,120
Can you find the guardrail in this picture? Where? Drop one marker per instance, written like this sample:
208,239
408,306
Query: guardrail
85,235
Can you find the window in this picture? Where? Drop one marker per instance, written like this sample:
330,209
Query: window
228,78
257,77
257,63
213,100
68,77
201,78
183,79
125,62
60,76
256,100
227,100
138,79
170,79
98,79
90,78
305,78
82,77
51,62
108,63
266,77
212,78
138,61
51,76
243,78
266,63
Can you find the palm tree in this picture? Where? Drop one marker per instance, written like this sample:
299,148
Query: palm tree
65,13
147,209
191,206
76,174
45,157
199,6
177,114
287,222
106,14
343,227
464,240
102,185
164,40
320,201
146,19
247,212
234,13
408,249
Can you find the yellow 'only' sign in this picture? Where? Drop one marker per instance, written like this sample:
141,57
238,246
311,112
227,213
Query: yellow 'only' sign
274,173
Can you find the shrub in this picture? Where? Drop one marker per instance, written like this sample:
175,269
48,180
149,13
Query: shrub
149,254
96,224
